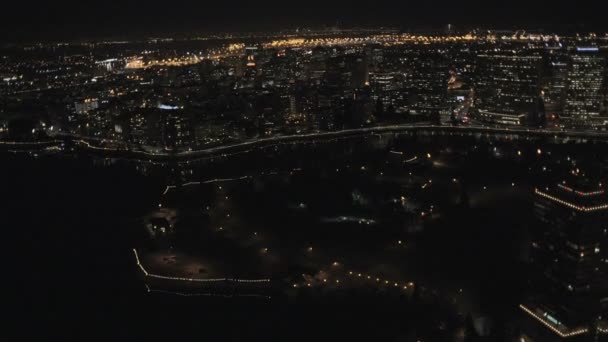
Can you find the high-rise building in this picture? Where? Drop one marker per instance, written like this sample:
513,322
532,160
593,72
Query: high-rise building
583,88
360,72
429,83
250,69
569,254
508,87
556,60
250,54
569,250
176,130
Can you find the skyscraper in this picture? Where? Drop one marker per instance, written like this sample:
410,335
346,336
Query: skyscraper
508,86
429,82
569,247
555,74
569,255
583,88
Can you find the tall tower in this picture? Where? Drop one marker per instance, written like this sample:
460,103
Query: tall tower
573,233
250,71
429,81
509,86
584,83
569,255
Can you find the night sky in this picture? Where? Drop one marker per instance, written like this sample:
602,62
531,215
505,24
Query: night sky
69,19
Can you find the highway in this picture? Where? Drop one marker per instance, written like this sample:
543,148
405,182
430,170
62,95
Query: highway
93,145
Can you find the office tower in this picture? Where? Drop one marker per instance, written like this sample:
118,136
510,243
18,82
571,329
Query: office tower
569,256
574,213
176,129
250,69
508,86
429,83
583,88
556,61
359,72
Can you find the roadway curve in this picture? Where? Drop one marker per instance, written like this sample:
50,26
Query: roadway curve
86,144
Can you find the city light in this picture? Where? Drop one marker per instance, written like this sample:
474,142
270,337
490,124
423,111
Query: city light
550,325
323,164
194,280
571,205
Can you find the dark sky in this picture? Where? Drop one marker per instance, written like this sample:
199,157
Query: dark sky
50,19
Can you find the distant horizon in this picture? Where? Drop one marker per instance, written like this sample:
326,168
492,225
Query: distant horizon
563,29
69,19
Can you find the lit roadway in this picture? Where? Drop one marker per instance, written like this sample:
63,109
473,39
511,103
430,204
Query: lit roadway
89,143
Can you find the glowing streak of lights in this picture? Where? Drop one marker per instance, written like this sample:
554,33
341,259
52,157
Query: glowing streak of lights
206,294
216,180
550,326
371,278
342,132
571,205
30,143
196,280
581,193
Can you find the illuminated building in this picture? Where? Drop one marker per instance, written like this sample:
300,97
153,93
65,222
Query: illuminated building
86,105
382,81
175,129
429,84
3,128
250,71
569,248
109,64
568,252
387,87
583,88
508,86
250,54
377,57
137,132
502,118
554,83
346,72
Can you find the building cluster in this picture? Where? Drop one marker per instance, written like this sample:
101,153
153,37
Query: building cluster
176,95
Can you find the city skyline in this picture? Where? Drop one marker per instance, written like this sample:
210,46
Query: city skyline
324,171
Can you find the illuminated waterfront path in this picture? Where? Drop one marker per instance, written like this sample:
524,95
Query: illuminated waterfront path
91,144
